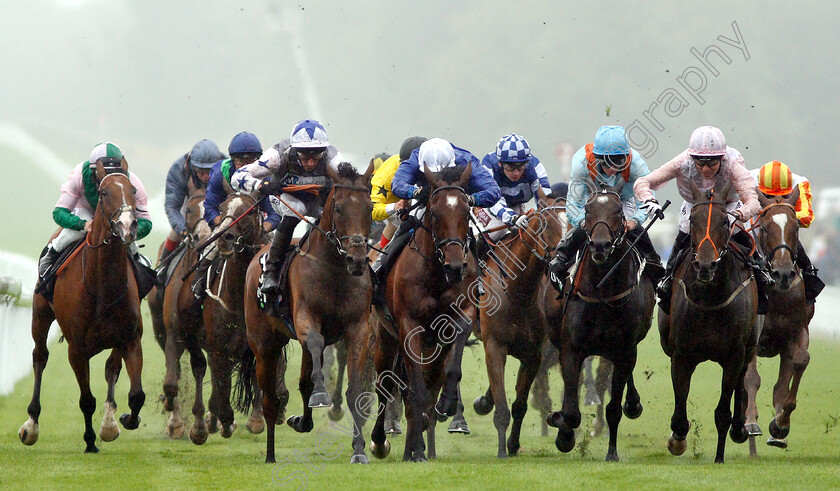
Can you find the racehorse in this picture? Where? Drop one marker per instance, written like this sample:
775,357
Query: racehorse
516,325
426,292
713,310
97,306
329,294
784,330
223,308
608,321
184,327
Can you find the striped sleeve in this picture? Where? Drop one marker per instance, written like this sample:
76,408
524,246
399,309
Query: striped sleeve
804,210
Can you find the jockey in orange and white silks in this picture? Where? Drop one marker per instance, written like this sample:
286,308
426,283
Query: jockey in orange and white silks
79,196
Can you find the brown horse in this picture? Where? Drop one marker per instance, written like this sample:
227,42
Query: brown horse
224,310
426,292
516,325
329,294
97,306
713,311
784,330
608,321
184,327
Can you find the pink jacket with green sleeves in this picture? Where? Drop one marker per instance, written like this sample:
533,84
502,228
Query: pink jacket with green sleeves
682,168
73,193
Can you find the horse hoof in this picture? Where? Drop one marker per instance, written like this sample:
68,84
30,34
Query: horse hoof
28,433
739,435
380,451
482,406
591,398
296,422
612,455
777,442
335,413
125,419
777,431
632,411
676,446
419,460
440,417
392,427
212,422
109,433
359,459
753,429
513,448
227,430
320,399
255,425
445,408
554,419
92,449
426,422
199,434
565,440
459,425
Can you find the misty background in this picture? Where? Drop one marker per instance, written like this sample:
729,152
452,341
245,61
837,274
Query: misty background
154,77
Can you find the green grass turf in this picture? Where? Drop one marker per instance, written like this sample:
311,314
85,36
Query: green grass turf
147,458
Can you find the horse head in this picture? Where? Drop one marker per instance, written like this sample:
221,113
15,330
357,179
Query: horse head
547,226
447,218
709,229
348,209
197,228
246,232
779,236
116,201
604,222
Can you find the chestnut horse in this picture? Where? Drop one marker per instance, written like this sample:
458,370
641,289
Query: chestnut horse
515,326
713,310
426,292
784,330
184,327
329,294
224,310
97,306
608,321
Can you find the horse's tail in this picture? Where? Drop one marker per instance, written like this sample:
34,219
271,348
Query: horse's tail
246,381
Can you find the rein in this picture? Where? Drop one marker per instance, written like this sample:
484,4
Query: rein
440,244
331,235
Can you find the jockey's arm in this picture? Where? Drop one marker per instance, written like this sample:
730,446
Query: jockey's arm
383,199
214,196
579,185
176,193
141,208
541,181
403,185
485,189
804,209
248,178
638,169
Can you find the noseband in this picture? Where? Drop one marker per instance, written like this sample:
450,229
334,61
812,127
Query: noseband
354,240
109,221
615,237
441,244
783,245
719,253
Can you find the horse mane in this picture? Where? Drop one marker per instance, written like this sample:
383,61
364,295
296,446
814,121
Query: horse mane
347,171
451,174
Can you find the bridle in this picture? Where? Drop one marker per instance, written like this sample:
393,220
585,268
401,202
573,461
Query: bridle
441,244
108,221
615,237
719,252
763,232
548,254
244,241
356,240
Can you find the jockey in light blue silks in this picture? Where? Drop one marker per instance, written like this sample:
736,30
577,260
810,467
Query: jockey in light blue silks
607,161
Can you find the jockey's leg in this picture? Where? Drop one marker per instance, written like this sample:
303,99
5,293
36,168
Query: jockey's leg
388,257
564,257
65,238
759,269
813,284
276,253
664,290
653,267
199,286
169,245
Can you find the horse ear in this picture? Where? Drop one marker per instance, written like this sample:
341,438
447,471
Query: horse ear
696,194
100,171
368,174
542,199
331,173
124,165
465,176
723,192
764,200
617,187
794,196
431,178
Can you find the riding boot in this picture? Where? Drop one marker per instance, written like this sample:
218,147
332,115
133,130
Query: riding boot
813,284
386,259
564,257
199,286
160,279
762,281
653,263
276,254
665,287
46,262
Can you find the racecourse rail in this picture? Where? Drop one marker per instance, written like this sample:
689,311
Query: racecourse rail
17,280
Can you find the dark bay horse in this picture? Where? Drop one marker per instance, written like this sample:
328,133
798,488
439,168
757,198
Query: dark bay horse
97,306
184,327
516,325
783,331
224,310
713,312
608,321
329,291
426,292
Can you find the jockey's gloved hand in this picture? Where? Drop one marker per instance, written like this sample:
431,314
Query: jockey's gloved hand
557,274
739,214
521,221
422,194
471,200
270,186
652,207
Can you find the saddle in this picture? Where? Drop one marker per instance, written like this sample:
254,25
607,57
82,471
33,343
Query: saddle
46,285
170,267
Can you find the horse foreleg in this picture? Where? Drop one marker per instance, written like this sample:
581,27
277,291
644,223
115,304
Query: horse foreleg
752,382
110,430
723,412
681,371
621,373
198,363
318,396
220,370
341,350
603,377
133,357
495,357
568,418
173,350
447,405
540,397
355,354
266,357
418,398
527,372
385,384
794,361
590,395
42,317
87,403
303,423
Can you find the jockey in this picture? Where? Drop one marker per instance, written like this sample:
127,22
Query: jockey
709,162
79,196
299,160
385,203
245,148
776,179
609,160
409,182
519,175
193,166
